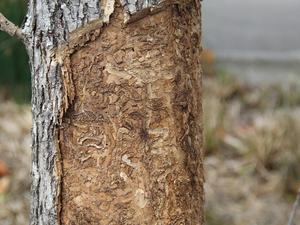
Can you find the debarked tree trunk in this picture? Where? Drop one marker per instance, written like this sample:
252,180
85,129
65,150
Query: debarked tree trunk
117,129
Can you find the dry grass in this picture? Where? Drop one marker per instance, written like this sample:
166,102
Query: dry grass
252,141
15,123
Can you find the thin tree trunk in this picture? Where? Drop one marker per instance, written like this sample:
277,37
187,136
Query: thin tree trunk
116,95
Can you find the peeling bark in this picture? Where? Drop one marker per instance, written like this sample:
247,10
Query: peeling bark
117,133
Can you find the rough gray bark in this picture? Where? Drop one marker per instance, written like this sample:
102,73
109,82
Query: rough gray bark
54,30
48,25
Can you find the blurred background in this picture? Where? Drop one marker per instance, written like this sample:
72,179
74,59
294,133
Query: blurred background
251,113
252,110
15,122
15,75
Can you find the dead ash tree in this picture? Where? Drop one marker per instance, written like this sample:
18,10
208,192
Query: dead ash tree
116,103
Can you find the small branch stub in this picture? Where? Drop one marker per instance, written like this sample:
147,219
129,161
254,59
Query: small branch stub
10,28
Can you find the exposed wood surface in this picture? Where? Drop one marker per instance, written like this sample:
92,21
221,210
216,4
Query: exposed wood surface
142,144
131,139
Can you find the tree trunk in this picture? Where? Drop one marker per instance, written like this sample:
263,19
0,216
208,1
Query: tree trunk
116,95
